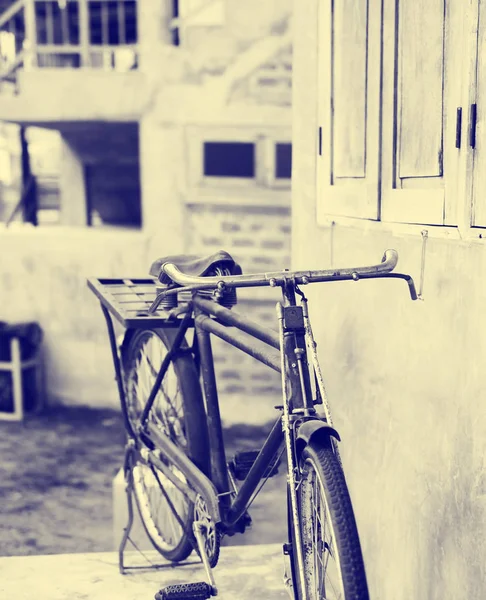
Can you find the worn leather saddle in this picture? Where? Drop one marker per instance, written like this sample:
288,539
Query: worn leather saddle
195,265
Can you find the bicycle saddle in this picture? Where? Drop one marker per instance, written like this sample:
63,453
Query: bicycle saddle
194,265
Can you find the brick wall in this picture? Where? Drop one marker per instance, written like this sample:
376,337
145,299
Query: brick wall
258,237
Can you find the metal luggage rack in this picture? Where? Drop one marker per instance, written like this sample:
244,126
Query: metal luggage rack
128,300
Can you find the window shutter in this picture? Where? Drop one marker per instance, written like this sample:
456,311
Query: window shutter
348,107
421,94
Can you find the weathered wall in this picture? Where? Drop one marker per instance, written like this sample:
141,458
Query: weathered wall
211,49
252,223
258,237
43,275
164,97
43,278
405,380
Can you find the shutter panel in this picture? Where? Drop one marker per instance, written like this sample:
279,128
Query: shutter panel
421,93
348,107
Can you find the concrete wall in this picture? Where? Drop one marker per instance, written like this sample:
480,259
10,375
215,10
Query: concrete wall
165,97
53,95
43,278
54,261
43,275
406,381
211,48
258,237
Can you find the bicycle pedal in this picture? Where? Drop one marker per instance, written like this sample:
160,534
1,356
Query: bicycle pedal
189,591
240,526
243,461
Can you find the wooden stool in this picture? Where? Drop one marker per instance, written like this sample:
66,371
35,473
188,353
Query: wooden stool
16,367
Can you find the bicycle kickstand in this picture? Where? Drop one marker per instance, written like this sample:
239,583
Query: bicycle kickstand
193,591
128,476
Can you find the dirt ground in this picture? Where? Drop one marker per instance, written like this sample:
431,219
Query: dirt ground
56,472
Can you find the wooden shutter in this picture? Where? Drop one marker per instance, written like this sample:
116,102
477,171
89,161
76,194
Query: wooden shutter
348,107
421,93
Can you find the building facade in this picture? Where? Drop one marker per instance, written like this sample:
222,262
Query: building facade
388,138
173,135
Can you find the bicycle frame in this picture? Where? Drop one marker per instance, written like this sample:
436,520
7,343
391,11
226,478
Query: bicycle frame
239,331
284,352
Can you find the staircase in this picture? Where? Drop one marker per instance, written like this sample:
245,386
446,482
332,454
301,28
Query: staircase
12,38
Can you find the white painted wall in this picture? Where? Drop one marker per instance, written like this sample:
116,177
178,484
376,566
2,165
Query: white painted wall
43,271
406,380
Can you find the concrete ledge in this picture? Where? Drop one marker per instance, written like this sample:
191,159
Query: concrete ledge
56,95
254,572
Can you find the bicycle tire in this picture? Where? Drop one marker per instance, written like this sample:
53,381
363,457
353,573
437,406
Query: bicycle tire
183,421
344,578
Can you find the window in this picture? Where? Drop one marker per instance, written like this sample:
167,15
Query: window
55,24
419,166
247,157
74,181
283,161
391,77
112,22
229,159
349,85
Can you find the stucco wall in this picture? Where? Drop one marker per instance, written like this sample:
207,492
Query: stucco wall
406,381
258,237
165,96
43,278
43,275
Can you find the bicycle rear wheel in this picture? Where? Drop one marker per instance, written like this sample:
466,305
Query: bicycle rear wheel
333,561
178,412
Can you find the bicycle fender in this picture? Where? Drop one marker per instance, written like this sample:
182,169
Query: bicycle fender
314,429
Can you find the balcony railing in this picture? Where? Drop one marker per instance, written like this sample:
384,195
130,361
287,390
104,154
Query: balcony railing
99,34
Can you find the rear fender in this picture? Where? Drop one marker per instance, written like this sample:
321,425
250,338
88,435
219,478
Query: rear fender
314,429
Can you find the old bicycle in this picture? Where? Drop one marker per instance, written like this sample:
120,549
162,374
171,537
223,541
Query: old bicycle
188,494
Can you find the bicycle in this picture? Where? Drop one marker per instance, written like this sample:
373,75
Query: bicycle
188,495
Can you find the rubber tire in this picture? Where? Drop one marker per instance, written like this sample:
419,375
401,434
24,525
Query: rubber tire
341,514
195,423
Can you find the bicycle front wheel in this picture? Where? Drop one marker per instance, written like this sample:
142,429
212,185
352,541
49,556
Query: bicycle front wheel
333,561
178,412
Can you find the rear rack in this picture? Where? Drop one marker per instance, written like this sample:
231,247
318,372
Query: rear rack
128,300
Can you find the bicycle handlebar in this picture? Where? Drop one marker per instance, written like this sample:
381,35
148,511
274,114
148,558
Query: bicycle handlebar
279,278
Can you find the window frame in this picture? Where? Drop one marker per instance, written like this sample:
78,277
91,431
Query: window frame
457,208
265,140
270,148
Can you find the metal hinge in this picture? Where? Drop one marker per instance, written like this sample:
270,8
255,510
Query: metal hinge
473,123
458,126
